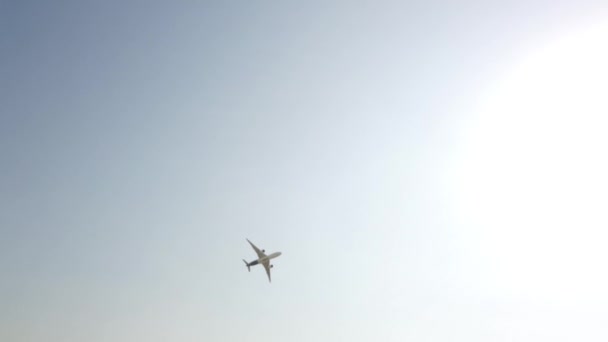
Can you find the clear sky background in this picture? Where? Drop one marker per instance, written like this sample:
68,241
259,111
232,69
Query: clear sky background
431,171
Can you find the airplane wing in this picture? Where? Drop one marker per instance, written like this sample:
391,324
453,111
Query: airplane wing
267,267
257,251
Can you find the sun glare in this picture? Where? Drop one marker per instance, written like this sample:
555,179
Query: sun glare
531,178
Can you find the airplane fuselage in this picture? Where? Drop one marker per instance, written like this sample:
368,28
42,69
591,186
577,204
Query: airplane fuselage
264,259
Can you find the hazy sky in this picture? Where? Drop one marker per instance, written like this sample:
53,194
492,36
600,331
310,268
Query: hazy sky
376,144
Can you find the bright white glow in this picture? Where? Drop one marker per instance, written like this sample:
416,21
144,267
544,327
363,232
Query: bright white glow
531,182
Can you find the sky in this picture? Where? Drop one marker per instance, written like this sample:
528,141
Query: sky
431,170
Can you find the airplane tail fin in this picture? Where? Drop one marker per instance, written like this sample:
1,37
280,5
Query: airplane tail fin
248,269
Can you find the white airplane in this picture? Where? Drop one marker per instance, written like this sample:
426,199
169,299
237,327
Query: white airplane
262,259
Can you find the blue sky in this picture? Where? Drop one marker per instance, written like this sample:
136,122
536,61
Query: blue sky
141,143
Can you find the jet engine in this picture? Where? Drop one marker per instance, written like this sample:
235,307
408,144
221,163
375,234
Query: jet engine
263,251
271,266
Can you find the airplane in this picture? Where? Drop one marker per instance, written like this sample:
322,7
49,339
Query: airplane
262,259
